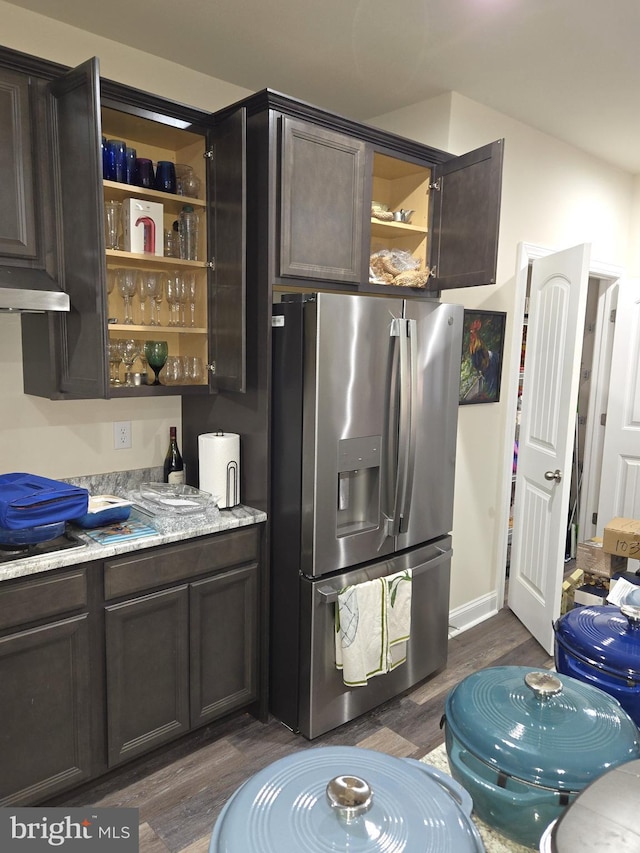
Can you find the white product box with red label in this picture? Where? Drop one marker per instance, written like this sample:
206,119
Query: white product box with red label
142,226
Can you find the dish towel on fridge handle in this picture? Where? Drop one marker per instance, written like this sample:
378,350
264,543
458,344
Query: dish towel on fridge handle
372,626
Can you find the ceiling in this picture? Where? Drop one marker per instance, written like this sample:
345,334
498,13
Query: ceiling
570,68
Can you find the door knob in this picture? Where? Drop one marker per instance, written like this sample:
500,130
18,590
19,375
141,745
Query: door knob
553,475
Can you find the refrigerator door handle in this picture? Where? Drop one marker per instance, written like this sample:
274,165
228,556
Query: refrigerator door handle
407,349
329,595
412,390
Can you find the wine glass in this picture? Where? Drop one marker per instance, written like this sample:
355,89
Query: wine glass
115,360
130,352
156,353
189,285
127,283
183,297
149,283
172,292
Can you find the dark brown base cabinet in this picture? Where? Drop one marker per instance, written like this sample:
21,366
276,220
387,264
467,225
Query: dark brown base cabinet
178,659
47,710
107,661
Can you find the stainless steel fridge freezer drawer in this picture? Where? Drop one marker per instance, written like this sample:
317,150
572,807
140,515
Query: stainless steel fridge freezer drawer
324,700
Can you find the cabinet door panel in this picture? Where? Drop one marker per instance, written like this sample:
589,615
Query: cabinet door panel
229,296
17,211
223,643
147,672
76,111
44,711
321,213
465,216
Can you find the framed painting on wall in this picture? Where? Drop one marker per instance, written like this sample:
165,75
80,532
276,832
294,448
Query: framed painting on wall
481,363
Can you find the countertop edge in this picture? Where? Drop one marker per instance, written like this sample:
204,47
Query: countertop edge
170,530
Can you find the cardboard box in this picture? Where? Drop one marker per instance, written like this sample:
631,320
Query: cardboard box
141,211
593,559
622,537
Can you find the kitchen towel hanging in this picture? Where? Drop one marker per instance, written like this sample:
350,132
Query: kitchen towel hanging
373,622
219,466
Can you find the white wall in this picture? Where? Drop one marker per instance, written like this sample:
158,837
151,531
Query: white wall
75,438
554,196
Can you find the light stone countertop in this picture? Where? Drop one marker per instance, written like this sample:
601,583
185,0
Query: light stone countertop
170,529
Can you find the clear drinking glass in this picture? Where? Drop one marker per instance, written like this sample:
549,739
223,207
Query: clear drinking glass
188,230
194,369
112,218
172,372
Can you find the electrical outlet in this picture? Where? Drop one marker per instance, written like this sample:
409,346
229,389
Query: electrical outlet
122,435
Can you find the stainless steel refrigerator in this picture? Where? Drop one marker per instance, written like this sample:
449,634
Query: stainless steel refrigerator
365,406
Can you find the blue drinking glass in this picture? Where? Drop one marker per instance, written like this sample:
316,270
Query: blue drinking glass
166,176
115,159
105,162
143,174
129,165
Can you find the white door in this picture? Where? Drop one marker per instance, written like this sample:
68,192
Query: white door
557,302
620,477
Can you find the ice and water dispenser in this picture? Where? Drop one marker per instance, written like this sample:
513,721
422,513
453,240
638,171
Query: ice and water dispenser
358,499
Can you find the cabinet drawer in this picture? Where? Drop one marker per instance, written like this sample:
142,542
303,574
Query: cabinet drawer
176,563
42,597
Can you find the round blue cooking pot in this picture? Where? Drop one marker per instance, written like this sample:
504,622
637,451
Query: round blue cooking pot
601,646
347,800
524,743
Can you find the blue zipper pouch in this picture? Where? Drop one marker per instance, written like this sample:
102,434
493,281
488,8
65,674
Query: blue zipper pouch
27,500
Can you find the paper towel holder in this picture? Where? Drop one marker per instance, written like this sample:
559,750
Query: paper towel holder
232,495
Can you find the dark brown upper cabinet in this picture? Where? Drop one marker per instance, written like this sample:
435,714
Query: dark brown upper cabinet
67,356
28,250
321,221
349,196
465,215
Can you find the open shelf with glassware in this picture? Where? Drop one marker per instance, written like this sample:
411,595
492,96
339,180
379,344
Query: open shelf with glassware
158,294
399,222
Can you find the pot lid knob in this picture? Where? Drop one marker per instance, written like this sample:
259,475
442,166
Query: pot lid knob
350,797
543,684
632,612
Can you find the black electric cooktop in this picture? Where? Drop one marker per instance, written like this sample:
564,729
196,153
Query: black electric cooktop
18,552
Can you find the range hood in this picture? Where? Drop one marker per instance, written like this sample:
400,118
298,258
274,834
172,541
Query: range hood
23,289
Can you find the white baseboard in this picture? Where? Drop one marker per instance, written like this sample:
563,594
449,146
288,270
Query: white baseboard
465,617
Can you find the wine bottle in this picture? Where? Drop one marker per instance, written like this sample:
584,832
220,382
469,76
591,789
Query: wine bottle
173,465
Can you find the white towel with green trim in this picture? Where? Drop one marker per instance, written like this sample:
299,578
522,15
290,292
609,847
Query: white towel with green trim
399,588
373,621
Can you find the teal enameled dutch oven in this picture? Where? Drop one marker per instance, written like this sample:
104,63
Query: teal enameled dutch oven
525,743
347,800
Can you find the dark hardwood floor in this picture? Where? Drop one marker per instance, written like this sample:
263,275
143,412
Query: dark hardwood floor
180,790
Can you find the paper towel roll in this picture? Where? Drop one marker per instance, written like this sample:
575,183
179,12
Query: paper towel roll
219,466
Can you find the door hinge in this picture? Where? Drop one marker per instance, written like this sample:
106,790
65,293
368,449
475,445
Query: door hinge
209,154
436,185
594,518
603,419
612,316
211,367
433,272
211,264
